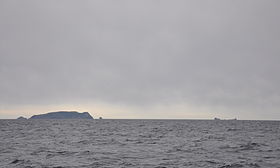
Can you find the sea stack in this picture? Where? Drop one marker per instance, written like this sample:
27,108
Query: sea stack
63,115
21,118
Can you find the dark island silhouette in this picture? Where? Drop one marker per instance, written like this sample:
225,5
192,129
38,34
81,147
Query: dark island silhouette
63,115
21,118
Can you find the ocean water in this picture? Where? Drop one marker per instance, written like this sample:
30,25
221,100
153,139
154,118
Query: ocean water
139,143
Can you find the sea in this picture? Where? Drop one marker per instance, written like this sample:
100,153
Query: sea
139,143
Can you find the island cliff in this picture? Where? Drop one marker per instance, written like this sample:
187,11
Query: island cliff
63,115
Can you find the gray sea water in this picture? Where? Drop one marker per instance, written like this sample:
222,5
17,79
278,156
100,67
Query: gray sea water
139,143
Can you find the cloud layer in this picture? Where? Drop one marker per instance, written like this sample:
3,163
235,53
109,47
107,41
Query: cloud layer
142,53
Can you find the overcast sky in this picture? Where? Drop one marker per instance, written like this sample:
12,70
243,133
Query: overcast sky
141,59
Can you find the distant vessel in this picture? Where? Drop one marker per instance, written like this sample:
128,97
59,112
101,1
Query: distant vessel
234,119
225,119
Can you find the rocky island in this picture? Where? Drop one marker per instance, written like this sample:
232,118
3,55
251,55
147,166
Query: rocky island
63,115
21,118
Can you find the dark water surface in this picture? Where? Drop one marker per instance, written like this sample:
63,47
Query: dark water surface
139,143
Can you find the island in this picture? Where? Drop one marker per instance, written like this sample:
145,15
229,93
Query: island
63,115
21,118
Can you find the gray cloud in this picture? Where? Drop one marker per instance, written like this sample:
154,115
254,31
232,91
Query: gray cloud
141,53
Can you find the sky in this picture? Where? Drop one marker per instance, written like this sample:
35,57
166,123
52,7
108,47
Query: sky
179,59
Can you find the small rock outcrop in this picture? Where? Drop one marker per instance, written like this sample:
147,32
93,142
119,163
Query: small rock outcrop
21,118
63,115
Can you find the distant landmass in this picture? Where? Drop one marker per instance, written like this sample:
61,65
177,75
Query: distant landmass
21,118
63,115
